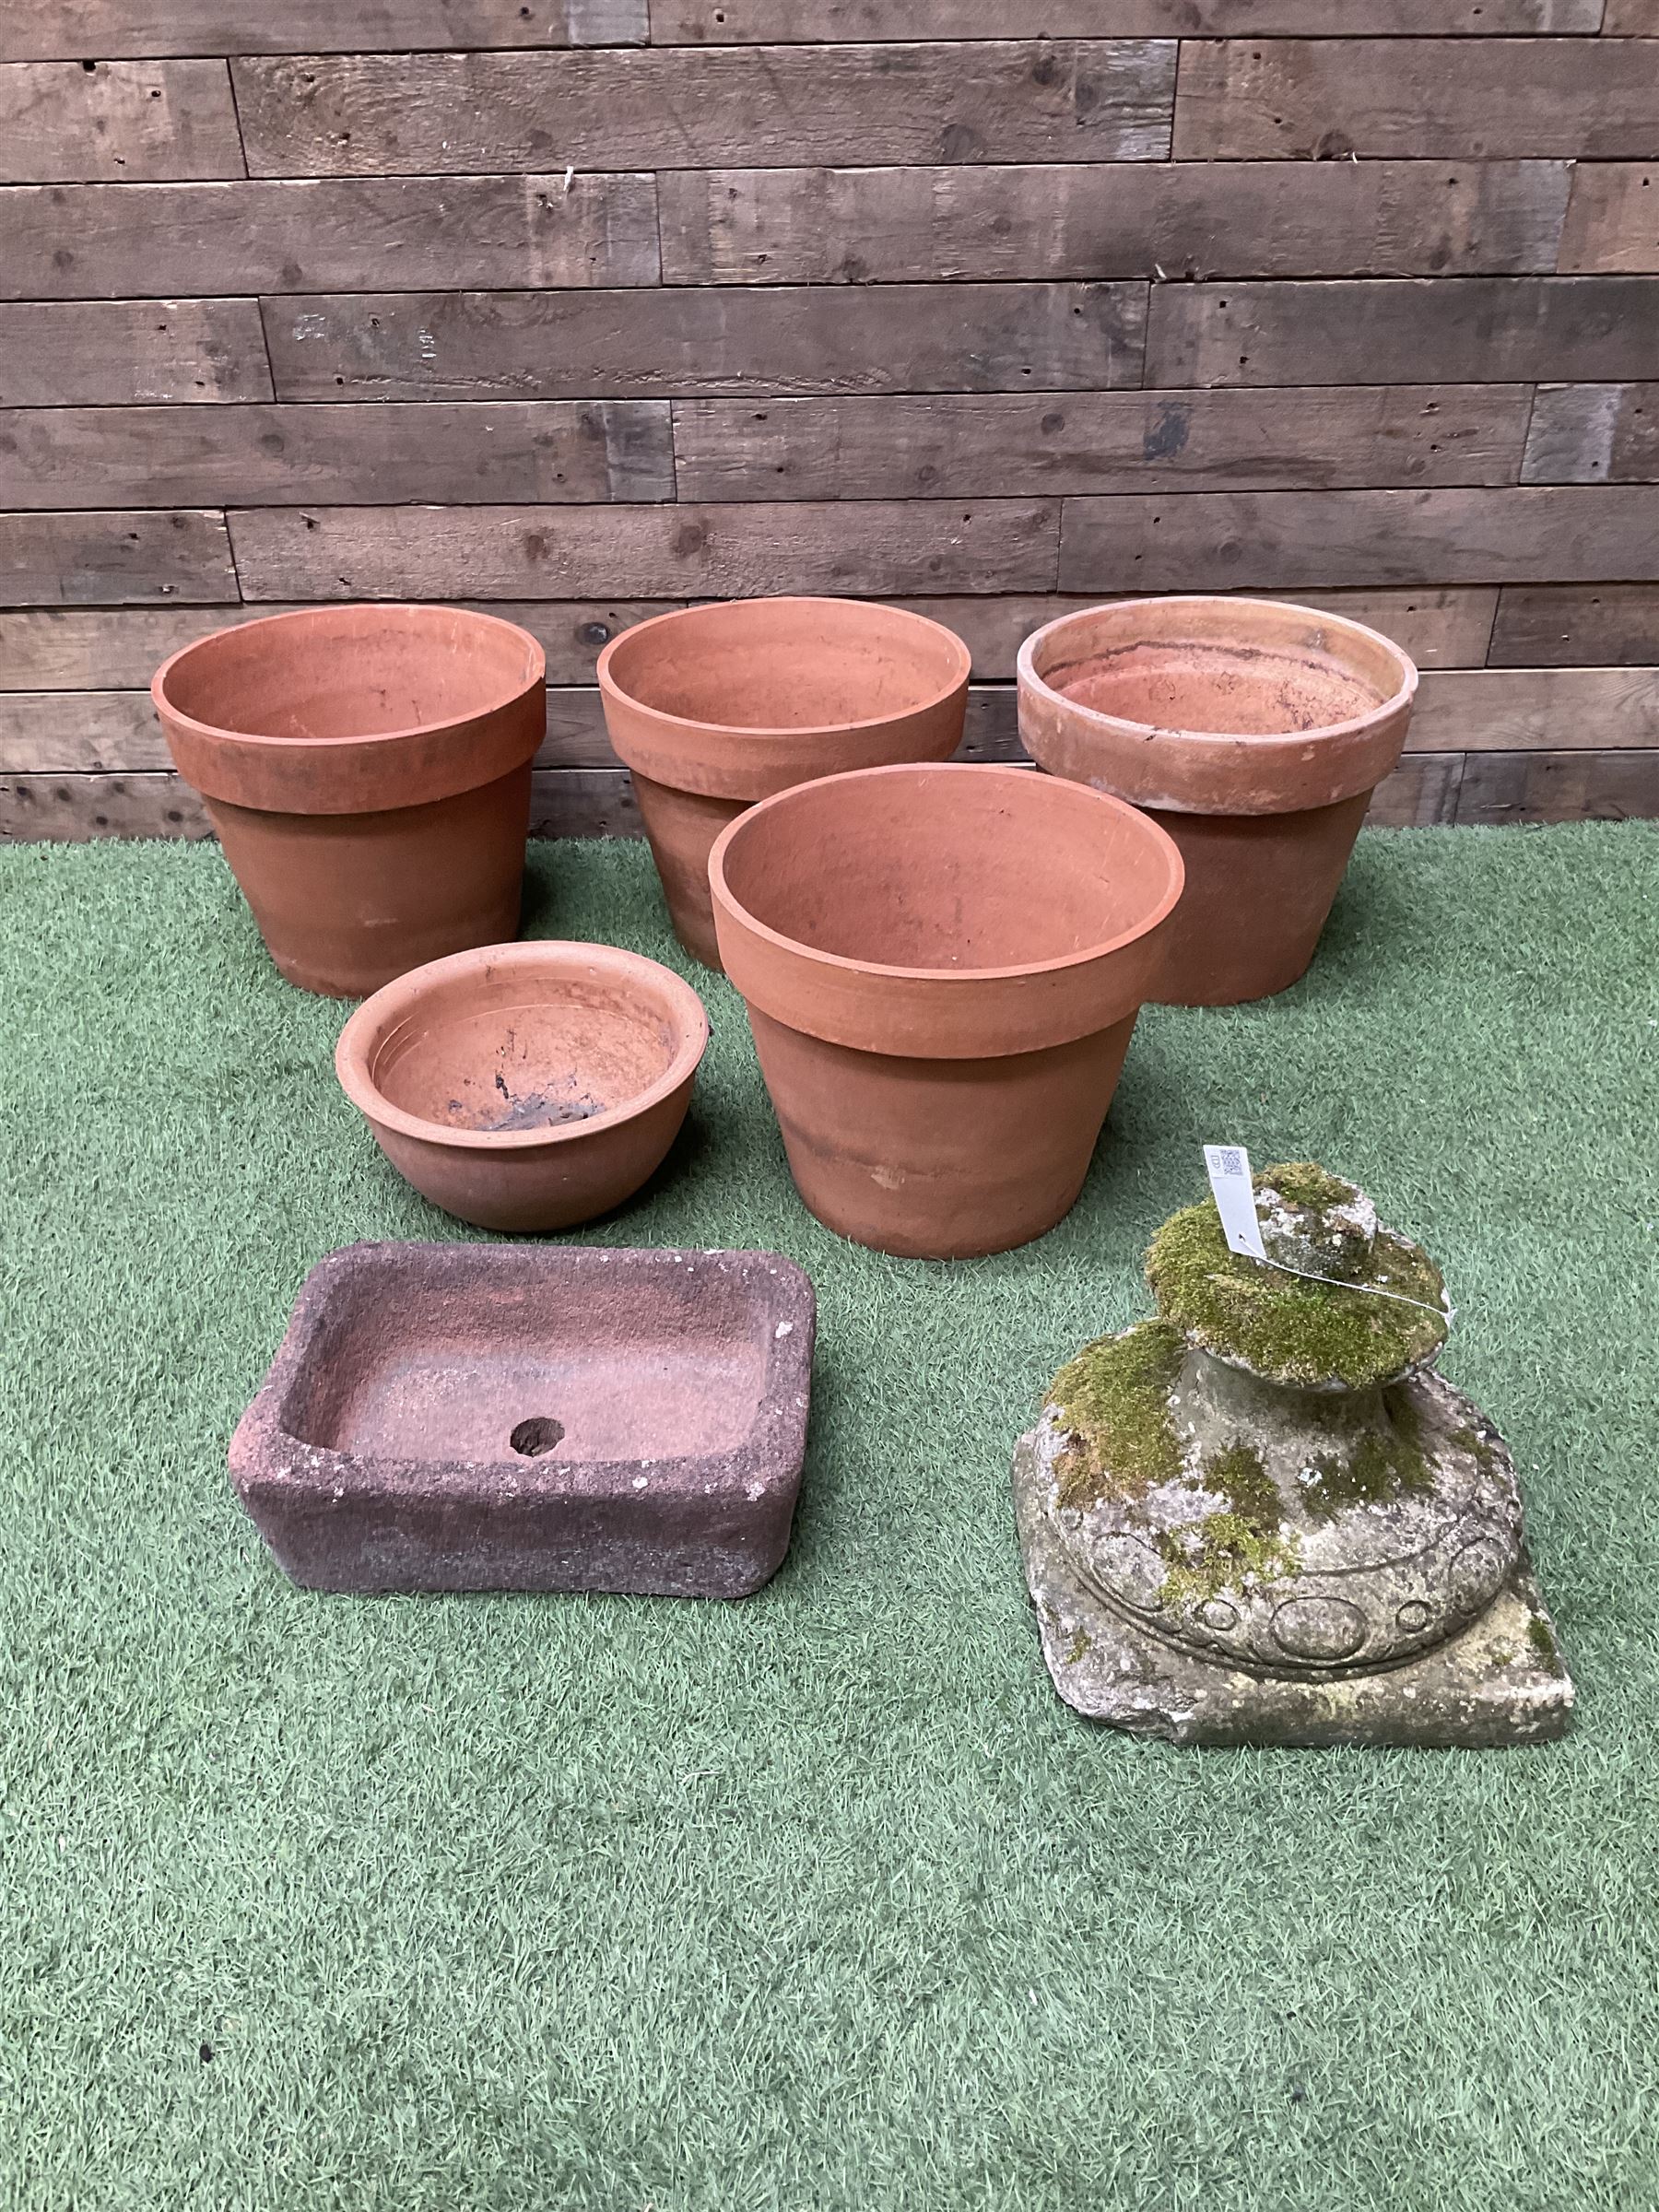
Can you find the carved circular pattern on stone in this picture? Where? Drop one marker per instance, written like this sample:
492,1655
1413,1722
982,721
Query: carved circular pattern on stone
1131,1571
1413,1616
1476,1572
1218,1615
1323,1630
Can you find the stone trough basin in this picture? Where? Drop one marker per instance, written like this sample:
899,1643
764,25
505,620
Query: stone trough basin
469,1417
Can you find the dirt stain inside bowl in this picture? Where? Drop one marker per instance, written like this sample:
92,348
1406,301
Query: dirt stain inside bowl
510,1110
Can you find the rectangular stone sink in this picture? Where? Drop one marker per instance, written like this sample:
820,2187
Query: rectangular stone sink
513,1417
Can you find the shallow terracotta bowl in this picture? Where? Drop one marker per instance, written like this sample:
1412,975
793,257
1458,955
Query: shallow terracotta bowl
526,1086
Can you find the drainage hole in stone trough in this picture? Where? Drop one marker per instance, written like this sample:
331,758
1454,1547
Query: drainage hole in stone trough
536,1435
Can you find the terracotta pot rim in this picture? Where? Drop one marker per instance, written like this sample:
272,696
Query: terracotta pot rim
1016,779
542,956
793,732
1172,734
212,733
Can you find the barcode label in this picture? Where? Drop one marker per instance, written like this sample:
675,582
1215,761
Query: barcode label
1229,1168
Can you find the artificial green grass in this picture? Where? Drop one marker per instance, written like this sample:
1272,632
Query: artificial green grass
822,1900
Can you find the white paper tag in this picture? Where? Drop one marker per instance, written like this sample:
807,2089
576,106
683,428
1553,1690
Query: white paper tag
1229,1168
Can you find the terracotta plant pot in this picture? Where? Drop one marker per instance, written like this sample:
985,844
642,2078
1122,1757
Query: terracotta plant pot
942,966
368,772
1255,733
716,707
526,1086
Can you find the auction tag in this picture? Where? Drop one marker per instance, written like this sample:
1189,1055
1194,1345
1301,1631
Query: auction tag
1229,1168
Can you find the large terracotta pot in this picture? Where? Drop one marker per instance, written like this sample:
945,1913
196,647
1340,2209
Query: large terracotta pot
716,707
942,966
1255,733
368,772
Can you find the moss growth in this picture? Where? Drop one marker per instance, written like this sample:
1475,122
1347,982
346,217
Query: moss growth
1382,1467
1289,1329
1549,1654
1113,1400
1304,1182
1224,1550
1115,1395
1081,1643
1475,1445
1241,1476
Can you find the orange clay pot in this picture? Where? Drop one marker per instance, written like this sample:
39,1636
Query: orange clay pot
942,966
526,1086
716,707
368,772
1255,733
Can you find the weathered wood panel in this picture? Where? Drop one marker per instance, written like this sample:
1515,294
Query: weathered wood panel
1499,788
1435,99
1179,219
932,318
878,547
71,649
1438,628
45,29
1612,216
583,803
114,559
731,22
1520,709
347,456
93,649
644,344
953,447
1566,625
72,353
73,809
575,735
1003,100
124,120
1467,330
1421,792
97,649
46,732
1594,434
84,242
1288,540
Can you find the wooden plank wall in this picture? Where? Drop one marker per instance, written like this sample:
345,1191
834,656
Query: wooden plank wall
579,309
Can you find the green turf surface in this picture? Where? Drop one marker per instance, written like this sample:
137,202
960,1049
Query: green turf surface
821,1899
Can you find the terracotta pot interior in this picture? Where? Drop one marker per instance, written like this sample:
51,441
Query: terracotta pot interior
946,868
1236,691
351,672
787,664
520,1052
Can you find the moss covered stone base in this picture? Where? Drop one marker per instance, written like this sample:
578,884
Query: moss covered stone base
1499,1681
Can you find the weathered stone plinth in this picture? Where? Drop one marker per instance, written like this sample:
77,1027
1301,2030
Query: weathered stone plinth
1264,1518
